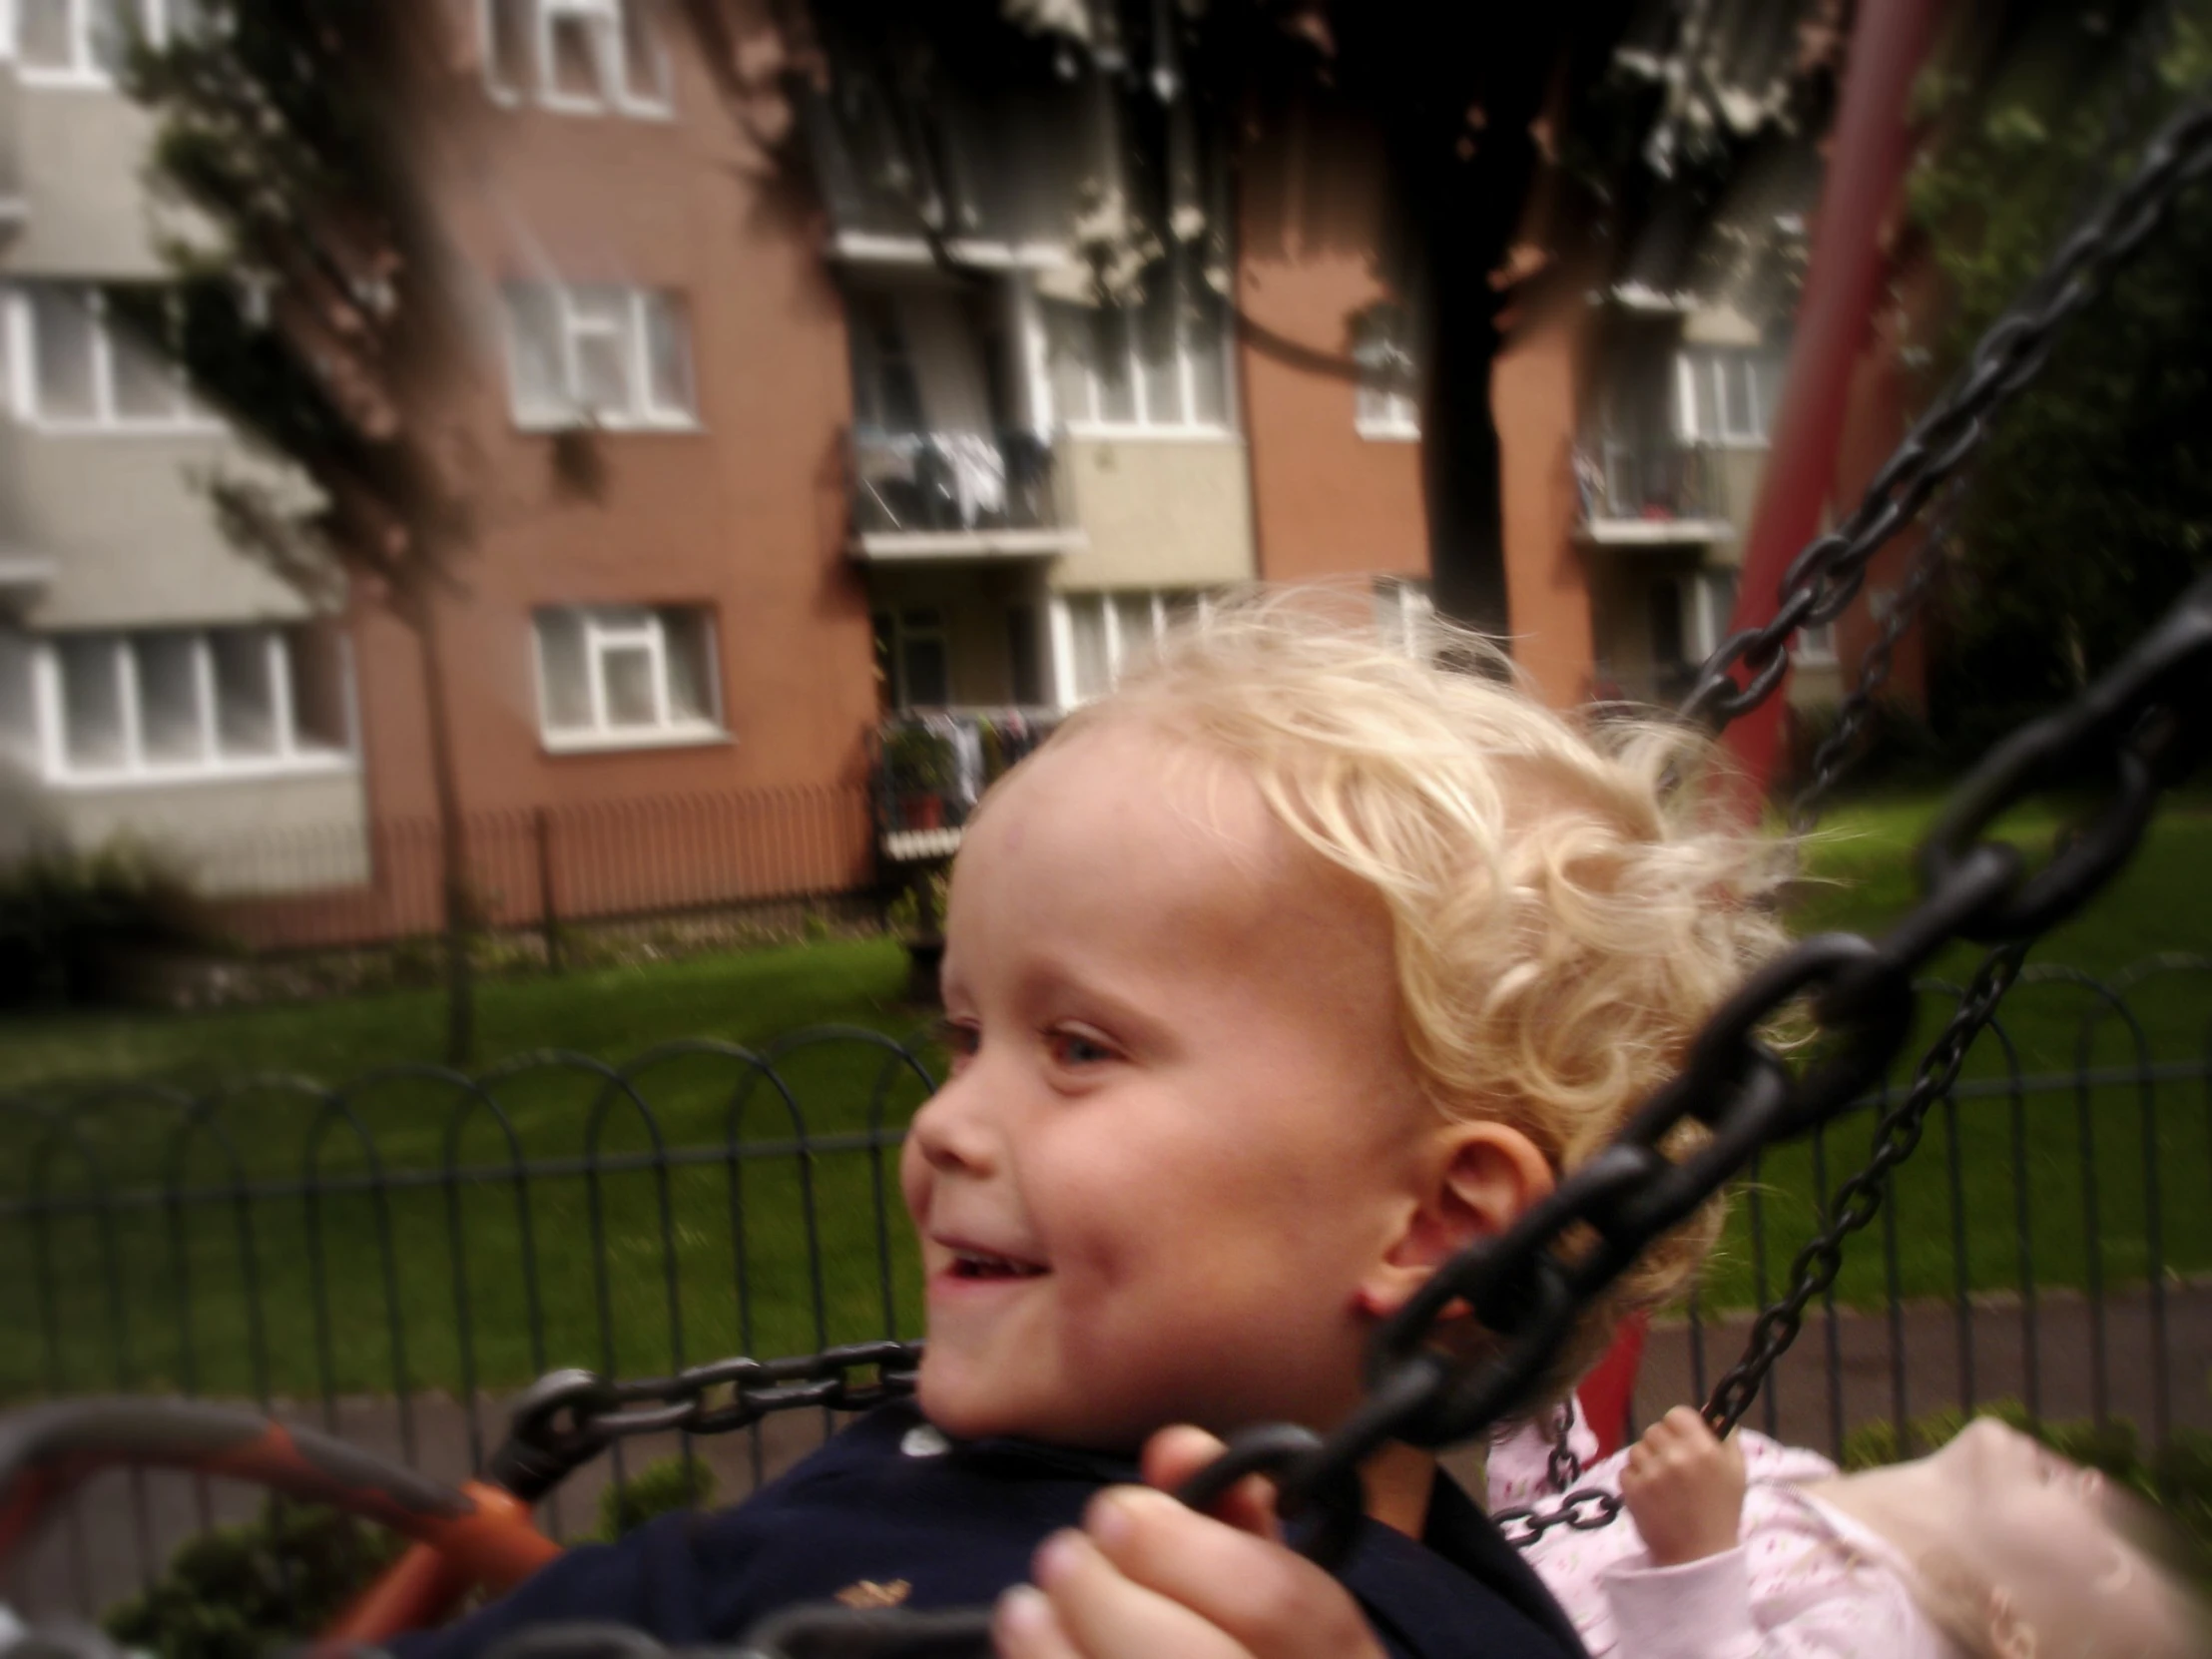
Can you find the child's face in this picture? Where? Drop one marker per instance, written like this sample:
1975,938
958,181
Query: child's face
1179,1138
2041,1539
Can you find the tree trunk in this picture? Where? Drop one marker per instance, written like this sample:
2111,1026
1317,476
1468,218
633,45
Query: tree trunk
458,896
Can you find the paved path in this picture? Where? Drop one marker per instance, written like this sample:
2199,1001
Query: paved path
1838,1377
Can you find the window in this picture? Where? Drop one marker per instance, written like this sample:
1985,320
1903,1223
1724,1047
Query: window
913,658
78,372
1159,365
1709,600
1402,610
1105,632
177,703
583,56
1727,394
608,356
1815,646
83,42
886,394
621,675
1385,403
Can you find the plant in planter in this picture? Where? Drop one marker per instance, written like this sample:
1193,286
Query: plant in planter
920,767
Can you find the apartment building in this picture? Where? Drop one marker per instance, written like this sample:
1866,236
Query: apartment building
151,680
1635,403
1038,479
655,315
655,606
772,463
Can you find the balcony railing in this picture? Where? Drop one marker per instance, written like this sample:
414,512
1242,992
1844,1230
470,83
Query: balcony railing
931,493
932,768
1648,491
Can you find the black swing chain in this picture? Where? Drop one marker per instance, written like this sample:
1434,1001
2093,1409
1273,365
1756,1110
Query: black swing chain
567,1418
2144,724
1822,581
1859,1200
1932,456
1838,751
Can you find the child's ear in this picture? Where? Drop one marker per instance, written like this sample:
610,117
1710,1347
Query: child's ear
2009,1635
1476,1180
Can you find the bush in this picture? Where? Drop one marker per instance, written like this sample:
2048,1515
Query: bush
670,1483
919,761
240,1592
70,923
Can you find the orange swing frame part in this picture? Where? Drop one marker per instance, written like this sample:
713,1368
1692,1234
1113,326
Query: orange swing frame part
476,1536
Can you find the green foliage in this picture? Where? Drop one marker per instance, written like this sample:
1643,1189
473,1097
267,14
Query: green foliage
238,1592
668,1484
918,910
2091,504
66,920
919,761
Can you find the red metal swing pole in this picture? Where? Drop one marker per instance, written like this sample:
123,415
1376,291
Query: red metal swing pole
1867,157
1870,152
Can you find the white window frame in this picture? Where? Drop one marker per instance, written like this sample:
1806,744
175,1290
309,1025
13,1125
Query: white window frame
1403,612
21,358
573,324
1814,646
84,71
543,17
603,634
1708,598
1386,408
1119,647
1088,422
292,757
1716,363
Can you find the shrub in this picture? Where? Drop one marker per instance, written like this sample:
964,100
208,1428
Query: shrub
240,1592
919,761
70,920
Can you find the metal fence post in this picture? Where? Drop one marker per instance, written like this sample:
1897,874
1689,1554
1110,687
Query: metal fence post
549,920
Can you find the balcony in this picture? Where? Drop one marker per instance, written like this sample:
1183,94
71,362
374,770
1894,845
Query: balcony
1654,493
921,496
932,768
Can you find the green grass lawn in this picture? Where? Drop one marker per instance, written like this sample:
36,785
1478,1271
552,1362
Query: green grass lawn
730,1243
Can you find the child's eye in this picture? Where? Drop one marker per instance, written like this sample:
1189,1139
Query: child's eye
1078,1048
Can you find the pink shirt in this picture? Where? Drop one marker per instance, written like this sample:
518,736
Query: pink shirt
1805,1581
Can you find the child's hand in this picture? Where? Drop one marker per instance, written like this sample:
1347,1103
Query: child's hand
1147,1577
1685,1489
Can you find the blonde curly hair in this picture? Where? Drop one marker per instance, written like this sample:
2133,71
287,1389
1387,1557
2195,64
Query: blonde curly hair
1569,901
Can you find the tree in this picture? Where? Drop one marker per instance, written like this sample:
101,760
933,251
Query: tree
2090,508
1485,112
312,305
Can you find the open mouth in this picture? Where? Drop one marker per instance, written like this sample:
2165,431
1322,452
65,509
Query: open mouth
975,1264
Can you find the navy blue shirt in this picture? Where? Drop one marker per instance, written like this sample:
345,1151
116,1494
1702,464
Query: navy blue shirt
889,1511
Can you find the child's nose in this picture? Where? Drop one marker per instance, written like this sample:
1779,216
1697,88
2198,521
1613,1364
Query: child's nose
952,1131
